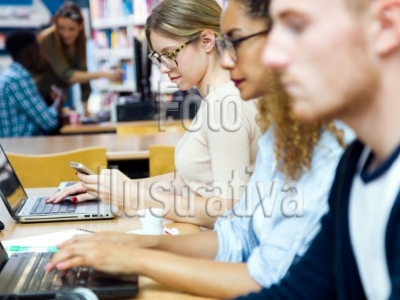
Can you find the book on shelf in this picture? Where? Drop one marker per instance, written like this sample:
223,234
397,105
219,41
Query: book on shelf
102,9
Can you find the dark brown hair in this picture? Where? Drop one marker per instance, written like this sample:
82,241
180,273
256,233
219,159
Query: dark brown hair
24,49
67,10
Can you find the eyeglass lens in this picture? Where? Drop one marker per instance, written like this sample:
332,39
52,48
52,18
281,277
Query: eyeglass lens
165,60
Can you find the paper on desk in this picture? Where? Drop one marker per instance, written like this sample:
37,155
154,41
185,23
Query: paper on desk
44,240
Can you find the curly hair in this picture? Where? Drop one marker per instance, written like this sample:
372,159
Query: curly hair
294,141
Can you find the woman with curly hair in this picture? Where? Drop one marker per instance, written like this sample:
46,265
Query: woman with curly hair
254,244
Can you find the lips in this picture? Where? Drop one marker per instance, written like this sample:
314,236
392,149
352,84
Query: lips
237,82
174,78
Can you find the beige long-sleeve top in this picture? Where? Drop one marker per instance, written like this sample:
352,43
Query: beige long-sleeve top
222,139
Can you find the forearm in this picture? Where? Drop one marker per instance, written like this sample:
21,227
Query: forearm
195,210
83,77
199,245
198,276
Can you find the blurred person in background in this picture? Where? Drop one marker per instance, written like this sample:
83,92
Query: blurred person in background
63,46
23,111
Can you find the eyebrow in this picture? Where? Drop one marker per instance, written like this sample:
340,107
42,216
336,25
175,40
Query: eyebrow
168,49
284,15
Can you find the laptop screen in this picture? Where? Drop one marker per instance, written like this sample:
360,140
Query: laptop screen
3,256
11,190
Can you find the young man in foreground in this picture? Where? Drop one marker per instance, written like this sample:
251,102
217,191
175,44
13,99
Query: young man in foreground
341,59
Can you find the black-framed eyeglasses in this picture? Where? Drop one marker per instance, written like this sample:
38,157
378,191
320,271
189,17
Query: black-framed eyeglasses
231,44
167,59
72,15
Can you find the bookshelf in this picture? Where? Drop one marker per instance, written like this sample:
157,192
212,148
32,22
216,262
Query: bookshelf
114,24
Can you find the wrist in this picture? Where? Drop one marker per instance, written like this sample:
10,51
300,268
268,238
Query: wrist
141,258
101,74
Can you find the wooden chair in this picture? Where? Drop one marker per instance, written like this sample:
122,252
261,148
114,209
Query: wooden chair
161,159
49,170
150,129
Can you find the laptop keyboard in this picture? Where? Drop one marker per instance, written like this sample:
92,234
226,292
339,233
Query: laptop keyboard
38,280
42,208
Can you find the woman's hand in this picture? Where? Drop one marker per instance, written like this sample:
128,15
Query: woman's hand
111,186
114,75
79,192
109,257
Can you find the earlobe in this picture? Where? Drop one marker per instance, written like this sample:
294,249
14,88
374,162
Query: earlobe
388,35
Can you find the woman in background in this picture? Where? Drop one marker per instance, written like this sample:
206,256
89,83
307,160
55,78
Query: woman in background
254,244
220,143
63,45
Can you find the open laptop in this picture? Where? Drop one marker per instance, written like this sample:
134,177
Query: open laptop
22,276
34,209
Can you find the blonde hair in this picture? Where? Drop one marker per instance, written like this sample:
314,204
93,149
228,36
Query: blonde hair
294,141
183,19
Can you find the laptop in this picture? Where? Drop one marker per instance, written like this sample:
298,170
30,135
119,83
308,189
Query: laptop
22,276
34,209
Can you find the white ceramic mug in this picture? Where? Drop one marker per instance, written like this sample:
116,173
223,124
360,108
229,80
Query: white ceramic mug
151,220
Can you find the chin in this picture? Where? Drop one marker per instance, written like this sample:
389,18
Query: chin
249,90
183,87
247,94
307,114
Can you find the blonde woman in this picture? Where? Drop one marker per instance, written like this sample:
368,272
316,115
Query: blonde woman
255,243
213,157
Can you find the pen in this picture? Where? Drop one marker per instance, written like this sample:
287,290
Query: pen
32,249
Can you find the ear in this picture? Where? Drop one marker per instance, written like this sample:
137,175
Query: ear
207,39
387,33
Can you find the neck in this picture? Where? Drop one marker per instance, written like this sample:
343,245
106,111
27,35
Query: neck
215,76
379,125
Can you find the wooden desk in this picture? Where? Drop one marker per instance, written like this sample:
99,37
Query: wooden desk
112,126
149,289
131,147
89,128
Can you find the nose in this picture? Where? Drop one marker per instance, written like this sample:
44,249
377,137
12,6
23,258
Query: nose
273,56
164,69
226,60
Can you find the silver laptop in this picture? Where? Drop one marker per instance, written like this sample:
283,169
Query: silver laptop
34,209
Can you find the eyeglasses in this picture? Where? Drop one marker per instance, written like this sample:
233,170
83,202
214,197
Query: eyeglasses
167,59
231,44
72,15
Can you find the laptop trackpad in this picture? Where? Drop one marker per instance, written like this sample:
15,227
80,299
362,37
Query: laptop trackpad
93,207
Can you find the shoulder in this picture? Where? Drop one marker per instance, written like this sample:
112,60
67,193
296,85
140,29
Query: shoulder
15,73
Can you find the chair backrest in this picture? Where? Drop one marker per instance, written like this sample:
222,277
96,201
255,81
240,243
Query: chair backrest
48,170
148,129
161,159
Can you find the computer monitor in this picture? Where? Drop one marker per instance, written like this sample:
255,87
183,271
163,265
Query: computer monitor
141,105
142,69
